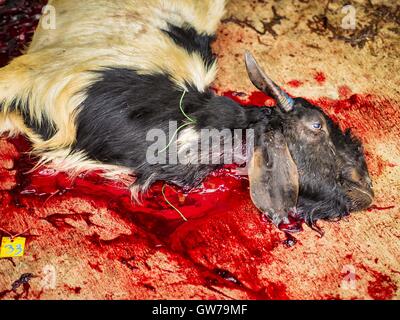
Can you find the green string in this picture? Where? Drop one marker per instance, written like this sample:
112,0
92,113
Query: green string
182,126
181,107
173,136
173,207
191,121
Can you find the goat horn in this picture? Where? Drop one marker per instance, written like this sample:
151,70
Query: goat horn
265,84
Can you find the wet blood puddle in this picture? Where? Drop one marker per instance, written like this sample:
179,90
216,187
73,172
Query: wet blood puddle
223,192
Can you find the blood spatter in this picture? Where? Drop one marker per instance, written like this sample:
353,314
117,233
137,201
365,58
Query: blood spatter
276,291
95,266
378,208
74,290
319,77
4,293
217,239
332,297
256,98
366,114
295,83
214,201
344,92
382,287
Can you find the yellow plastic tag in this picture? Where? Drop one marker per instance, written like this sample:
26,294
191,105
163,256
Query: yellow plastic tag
11,248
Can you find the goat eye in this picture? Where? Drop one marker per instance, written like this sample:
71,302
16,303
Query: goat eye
317,125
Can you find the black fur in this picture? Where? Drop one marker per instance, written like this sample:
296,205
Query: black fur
188,38
126,105
323,167
44,128
123,106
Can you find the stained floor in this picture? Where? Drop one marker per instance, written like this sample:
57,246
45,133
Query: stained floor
86,240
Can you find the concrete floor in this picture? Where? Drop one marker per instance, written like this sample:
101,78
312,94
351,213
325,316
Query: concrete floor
92,245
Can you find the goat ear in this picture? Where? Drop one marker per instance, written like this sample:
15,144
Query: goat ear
274,180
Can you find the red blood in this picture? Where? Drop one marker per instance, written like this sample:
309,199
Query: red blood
75,290
332,297
374,207
256,98
370,118
217,199
38,186
4,293
239,97
344,92
295,83
320,77
215,240
259,98
276,291
382,287
95,266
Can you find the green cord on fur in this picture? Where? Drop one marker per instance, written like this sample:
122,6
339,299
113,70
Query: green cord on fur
173,207
190,121
181,107
173,136
182,126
